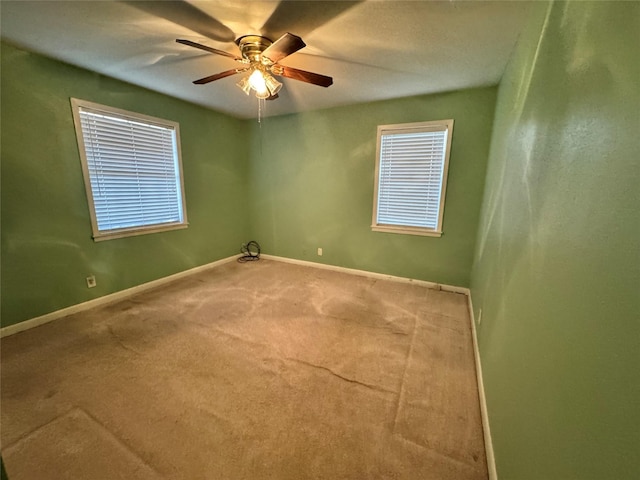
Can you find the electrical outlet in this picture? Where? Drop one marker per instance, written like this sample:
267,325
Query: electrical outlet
319,251
91,281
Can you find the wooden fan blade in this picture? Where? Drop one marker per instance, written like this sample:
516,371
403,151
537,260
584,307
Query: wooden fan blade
208,49
218,76
283,47
309,77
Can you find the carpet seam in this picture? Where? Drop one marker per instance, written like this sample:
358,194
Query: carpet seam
436,451
347,379
404,375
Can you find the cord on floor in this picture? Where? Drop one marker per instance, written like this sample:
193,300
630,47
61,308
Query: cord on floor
251,251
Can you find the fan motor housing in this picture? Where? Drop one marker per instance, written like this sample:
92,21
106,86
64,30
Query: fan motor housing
252,46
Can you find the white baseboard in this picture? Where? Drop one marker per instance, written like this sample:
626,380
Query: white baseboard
364,273
488,443
106,299
116,296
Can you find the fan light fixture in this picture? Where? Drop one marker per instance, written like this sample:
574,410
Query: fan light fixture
263,83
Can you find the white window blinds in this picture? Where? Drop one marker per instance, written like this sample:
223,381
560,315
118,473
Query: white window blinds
133,167
411,177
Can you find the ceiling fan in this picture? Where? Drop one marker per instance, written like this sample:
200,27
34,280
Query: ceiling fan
260,57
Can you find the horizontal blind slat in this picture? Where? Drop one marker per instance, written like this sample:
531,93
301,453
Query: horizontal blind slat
410,176
133,171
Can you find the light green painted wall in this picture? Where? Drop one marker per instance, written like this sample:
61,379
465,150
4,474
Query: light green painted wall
47,250
557,265
312,186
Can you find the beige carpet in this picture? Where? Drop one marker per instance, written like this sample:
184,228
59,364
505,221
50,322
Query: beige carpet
263,370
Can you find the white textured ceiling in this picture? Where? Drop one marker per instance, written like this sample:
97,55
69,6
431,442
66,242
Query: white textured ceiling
374,50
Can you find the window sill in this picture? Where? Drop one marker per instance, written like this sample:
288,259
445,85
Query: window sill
131,232
406,230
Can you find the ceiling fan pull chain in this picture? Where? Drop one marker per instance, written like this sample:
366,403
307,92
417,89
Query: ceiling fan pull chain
260,107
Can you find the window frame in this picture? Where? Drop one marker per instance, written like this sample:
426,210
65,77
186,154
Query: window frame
100,235
418,127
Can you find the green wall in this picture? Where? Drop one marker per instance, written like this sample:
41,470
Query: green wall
301,182
47,249
312,186
557,264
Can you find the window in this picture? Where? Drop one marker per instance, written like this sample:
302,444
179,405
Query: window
132,171
411,177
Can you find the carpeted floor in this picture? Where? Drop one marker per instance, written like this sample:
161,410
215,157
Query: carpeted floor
263,370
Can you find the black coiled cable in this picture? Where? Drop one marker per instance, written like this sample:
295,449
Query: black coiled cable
251,252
